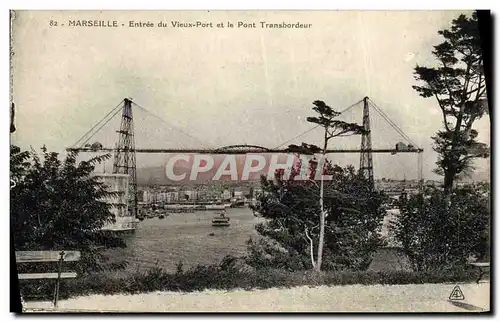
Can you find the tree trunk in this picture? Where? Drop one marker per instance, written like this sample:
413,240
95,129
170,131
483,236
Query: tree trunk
311,246
449,174
321,240
448,182
321,226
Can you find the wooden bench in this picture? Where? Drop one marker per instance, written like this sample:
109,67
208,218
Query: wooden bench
483,268
47,257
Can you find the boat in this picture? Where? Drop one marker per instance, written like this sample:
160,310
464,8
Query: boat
221,221
161,216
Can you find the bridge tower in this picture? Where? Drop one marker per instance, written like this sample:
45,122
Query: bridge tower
366,162
124,158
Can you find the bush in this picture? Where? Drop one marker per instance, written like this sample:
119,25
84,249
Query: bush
266,252
292,208
436,235
228,277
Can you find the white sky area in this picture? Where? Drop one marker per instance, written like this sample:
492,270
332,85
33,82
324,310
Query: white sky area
227,86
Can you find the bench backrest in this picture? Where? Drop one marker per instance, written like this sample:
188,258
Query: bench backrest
47,256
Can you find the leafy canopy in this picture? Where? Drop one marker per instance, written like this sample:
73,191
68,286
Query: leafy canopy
60,205
458,85
436,236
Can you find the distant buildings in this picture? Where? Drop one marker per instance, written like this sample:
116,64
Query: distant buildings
199,193
396,187
215,192
191,195
152,196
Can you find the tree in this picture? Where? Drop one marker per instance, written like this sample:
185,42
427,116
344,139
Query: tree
59,205
306,194
291,208
436,236
332,128
457,82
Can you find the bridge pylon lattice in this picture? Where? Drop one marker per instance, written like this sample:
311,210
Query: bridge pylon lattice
124,157
366,160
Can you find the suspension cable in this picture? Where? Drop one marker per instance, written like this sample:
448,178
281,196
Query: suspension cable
110,112
351,106
171,125
394,125
296,137
102,125
316,126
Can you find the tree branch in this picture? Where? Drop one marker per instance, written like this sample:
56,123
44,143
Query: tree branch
442,110
466,86
450,93
311,245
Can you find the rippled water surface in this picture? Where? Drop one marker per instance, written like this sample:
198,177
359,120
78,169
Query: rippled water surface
187,237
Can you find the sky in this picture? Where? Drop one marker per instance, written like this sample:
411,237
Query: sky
215,87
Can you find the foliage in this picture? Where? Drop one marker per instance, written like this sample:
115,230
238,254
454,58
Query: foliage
326,118
353,219
267,252
298,203
215,277
436,236
59,205
333,128
458,84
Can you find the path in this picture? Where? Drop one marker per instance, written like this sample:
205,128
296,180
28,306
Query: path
352,298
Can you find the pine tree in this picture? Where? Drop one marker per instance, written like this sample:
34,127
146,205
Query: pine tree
298,209
458,84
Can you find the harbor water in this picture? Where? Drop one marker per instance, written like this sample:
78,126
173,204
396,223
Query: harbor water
186,237
191,239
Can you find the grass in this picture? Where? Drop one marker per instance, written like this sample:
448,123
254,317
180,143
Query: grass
159,245
215,278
